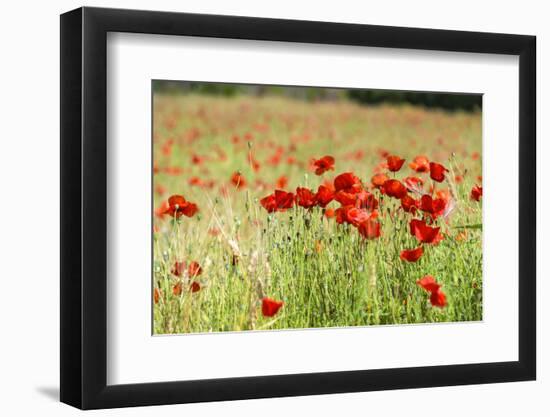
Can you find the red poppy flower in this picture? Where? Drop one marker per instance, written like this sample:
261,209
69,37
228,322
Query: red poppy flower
177,206
275,159
437,171
341,214
270,307
162,210
278,201
425,233
444,194
409,204
194,269
477,192
156,295
195,286
176,289
366,200
411,255
269,203
435,207
284,200
329,213
428,283
347,182
394,188
190,209
394,163
420,164
352,215
305,197
178,268
370,229
324,195
238,180
378,180
438,299
437,296
196,181
196,159
326,163
414,184
345,199
282,181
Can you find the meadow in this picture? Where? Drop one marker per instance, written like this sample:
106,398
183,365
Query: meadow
277,213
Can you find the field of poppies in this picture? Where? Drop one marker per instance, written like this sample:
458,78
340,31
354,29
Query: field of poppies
277,213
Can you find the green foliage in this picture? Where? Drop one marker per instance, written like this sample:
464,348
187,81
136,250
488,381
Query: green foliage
447,101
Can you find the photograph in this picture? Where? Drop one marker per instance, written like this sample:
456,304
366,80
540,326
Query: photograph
264,206
302,207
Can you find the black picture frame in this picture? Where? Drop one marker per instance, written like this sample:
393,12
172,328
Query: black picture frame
84,207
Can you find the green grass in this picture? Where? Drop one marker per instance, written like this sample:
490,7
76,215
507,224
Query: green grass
326,274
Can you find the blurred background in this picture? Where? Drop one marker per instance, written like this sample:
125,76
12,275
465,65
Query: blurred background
445,101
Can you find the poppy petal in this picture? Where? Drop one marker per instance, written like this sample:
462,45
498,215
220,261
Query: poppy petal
412,255
270,307
437,171
394,163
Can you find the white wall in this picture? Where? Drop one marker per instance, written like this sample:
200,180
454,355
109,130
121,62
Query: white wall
29,172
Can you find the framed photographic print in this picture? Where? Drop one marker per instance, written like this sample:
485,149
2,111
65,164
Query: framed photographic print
258,207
